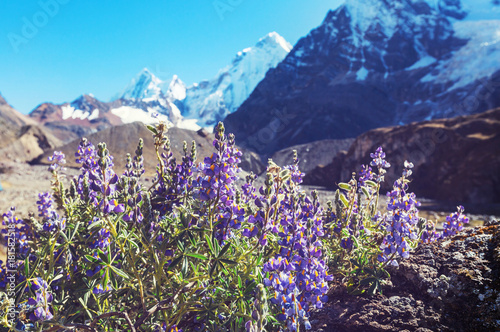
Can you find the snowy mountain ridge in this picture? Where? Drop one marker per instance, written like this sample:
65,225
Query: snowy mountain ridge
377,63
204,104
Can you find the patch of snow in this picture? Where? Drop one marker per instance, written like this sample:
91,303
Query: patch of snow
176,89
361,74
366,13
94,114
189,124
69,111
479,58
423,62
131,114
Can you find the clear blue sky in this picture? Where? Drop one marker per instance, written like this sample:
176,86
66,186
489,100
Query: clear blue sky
98,46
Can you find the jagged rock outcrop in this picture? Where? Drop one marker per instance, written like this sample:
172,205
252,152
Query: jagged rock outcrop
451,285
21,139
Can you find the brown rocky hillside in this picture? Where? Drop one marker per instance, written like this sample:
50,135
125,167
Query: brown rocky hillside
455,159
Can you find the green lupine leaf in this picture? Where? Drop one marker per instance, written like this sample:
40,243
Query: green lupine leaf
223,251
227,261
210,245
199,256
373,288
91,258
26,267
152,129
175,262
119,272
106,278
77,226
114,282
212,269
344,200
366,281
345,186
185,266
102,255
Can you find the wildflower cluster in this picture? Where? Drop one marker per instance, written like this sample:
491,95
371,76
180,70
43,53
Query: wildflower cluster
455,222
194,250
40,301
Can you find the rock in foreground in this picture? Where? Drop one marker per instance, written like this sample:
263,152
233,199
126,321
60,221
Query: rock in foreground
451,285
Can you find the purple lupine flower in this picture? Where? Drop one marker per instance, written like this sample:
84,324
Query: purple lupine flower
347,243
177,181
41,301
57,161
163,328
3,274
400,220
46,210
455,222
102,240
113,206
407,171
99,289
378,160
215,184
22,234
365,174
45,206
429,234
297,274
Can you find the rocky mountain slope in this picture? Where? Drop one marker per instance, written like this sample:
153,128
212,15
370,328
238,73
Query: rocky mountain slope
123,139
375,63
21,139
312,154
456,160
84,115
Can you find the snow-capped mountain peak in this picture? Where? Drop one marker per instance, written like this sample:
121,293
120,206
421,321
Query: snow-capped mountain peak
211,101
204,104
274,39
388,62
144,86
176,89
